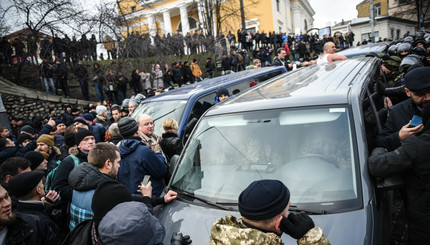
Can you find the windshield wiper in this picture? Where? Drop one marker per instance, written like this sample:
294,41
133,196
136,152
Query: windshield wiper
299,210
191,195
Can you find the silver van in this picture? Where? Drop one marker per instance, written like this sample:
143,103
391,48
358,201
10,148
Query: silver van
305,128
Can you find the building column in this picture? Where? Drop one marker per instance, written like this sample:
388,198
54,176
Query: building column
151,25
201,11
184,19
167,22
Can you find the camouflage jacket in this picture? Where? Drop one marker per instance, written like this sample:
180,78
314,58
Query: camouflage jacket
233,231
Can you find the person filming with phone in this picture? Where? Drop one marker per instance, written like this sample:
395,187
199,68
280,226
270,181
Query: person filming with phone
404,119
264,207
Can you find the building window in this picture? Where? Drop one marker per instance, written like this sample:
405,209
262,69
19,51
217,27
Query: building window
306,25
133,9
397,34
377,8
392,34
278,5
191,22
280,30
402,2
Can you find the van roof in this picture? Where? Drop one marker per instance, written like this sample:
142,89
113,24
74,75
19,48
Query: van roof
314,85
187,91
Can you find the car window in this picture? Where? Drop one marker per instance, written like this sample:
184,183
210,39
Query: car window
310,150
160,110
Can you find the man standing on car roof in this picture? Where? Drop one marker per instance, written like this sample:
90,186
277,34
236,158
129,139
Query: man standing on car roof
264,208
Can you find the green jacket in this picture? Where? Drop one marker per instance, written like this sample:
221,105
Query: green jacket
233,231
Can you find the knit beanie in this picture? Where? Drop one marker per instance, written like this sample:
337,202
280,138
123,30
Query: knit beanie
28,129
35,157
58,122
47,139
81,134
23,137
106,196
23,183
69,139
100,109
127,126
88,116
81,120
221,91
263,199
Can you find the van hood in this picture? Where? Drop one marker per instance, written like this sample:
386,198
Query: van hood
196,221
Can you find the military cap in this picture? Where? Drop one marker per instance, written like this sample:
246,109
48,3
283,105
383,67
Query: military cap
23,183
263,199
392,62
418,79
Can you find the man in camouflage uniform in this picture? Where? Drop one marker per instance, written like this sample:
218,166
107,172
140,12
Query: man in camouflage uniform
264,208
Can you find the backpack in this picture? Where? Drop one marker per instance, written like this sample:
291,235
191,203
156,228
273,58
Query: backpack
51,175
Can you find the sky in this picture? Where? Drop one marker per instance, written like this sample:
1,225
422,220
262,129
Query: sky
327,12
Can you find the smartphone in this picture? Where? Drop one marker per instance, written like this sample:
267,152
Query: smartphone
145,179
416,120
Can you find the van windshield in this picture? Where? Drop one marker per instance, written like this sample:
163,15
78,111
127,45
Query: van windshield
160,110
312,151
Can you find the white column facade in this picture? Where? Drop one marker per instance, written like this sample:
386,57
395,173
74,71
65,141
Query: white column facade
200,11
167,22
184,19
151,25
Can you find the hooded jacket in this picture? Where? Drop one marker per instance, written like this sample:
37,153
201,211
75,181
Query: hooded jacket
138,160
84,179
129,222
60,182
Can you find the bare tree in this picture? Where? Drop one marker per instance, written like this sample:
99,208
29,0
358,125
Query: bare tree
414,9
44,15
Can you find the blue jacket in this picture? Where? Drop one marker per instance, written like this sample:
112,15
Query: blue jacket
99,132
84,179
138,160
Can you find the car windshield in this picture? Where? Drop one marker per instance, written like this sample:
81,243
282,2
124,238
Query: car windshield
160,110
309,150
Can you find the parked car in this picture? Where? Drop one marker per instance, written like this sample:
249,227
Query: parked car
305,128
361,51
191,101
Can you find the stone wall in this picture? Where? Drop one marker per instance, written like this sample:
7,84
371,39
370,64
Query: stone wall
26,103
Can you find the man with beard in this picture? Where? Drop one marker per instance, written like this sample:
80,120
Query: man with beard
17,229
398,125
102,165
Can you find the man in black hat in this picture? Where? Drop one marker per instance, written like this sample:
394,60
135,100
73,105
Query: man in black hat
85,141
264,206
221,94
411,160
398,126
138,159
29,189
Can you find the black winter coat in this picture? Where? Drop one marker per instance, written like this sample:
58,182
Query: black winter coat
399,116
171,145
413,161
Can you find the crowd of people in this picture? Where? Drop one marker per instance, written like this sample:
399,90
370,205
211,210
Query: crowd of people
75,176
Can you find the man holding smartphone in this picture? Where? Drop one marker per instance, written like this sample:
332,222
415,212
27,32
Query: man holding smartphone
264,208
398,126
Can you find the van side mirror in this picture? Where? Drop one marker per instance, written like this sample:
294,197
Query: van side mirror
173,162
389,183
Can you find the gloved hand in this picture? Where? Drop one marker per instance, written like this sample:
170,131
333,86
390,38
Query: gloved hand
179,239
296,225
380,87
